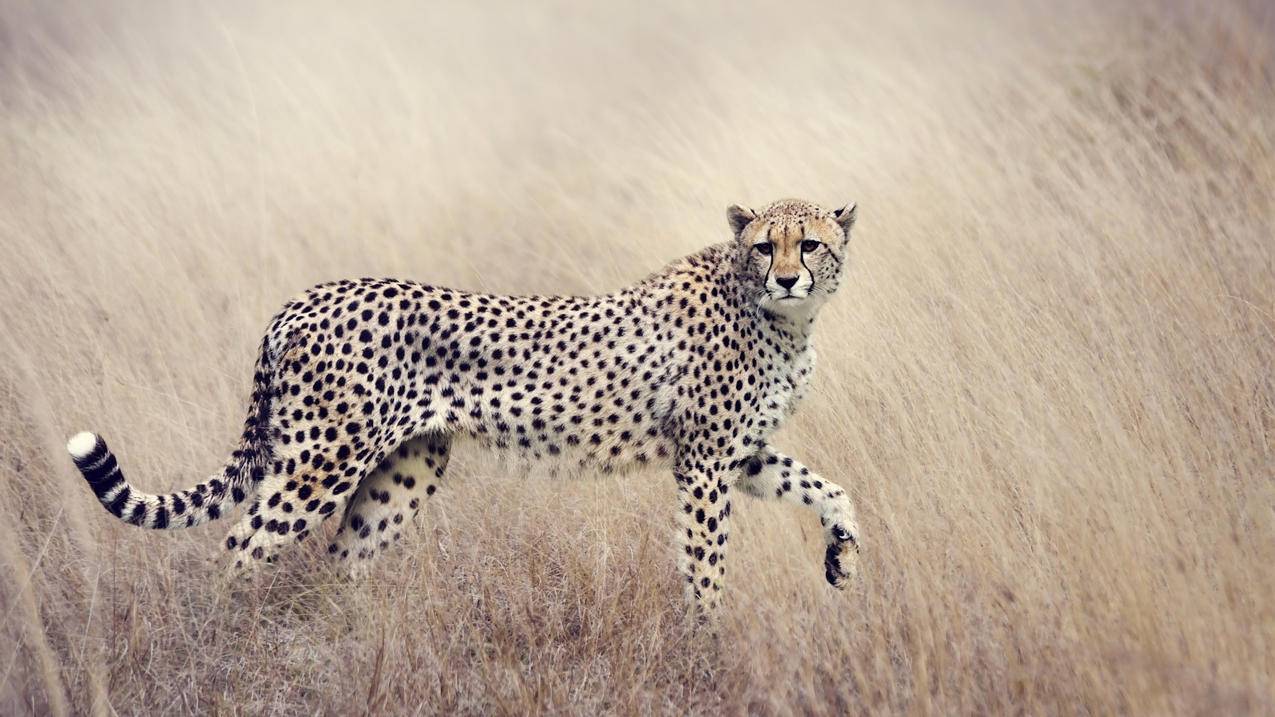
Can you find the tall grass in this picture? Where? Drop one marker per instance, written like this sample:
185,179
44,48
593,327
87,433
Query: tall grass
1047,382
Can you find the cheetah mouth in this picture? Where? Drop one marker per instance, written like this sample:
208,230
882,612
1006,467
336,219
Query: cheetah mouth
791,296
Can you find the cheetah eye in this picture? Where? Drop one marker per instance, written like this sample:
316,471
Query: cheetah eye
810,245
763,248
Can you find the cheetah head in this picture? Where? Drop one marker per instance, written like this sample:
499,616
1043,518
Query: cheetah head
791,253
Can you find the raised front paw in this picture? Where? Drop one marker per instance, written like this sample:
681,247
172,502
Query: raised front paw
841,558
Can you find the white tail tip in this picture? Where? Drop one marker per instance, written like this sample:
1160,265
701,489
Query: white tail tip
81,444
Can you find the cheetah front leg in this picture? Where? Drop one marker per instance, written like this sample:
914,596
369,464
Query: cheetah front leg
771,475
703,527
389,498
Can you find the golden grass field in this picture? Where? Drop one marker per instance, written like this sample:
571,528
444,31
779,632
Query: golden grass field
1047,381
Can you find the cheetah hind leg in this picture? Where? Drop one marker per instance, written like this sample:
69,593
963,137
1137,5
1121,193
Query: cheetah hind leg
291,505
389,499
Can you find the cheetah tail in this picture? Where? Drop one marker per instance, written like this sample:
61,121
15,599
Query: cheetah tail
207,501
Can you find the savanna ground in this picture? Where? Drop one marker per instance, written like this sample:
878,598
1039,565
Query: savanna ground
1047,381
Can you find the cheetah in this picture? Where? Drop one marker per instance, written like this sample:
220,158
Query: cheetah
361,388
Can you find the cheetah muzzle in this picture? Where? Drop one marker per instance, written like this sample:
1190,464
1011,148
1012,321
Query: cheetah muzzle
361,389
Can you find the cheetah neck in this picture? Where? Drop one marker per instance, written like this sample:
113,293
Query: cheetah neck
795,330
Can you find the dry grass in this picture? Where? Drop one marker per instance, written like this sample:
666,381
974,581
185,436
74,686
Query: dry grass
1048,383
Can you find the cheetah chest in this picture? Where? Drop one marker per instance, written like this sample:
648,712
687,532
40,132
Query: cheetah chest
785,391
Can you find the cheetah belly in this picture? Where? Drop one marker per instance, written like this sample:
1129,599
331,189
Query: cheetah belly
574,440
546,416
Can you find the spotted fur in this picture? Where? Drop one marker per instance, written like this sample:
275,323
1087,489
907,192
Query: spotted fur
362,386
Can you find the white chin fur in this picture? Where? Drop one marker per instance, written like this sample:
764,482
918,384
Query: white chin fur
794,307
81,444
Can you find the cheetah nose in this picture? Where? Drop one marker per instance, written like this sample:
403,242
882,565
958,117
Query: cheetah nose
786,281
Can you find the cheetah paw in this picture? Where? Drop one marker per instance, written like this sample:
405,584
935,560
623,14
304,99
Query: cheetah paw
841,559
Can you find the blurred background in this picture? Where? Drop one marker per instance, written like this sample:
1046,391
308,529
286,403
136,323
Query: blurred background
1046,381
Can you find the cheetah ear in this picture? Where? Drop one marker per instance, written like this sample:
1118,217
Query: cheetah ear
739,217
845,216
